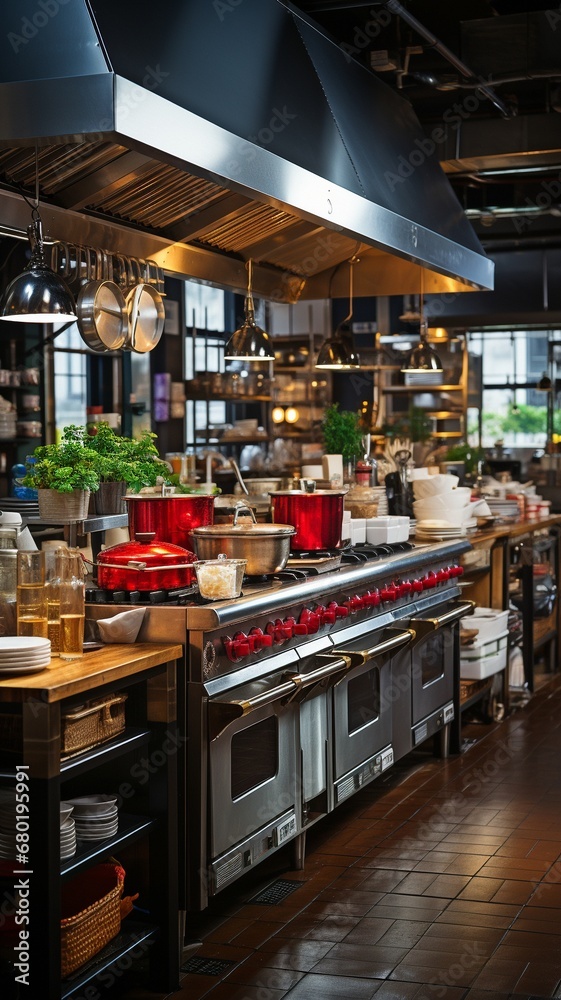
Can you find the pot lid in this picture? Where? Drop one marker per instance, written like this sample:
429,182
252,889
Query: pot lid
303,493
144,549
244,530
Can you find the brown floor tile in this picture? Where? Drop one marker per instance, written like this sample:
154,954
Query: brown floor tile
397,991
352,967
447,886
415,883
481,888
257,972
500,975
317,987
541,978
404,933
384,881
224,991
514,892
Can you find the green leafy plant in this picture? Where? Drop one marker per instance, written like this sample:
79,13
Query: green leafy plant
134,461
342,433
69,465
469,454
414,426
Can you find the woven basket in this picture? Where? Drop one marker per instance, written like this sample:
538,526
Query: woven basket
91,914
92,723
62,508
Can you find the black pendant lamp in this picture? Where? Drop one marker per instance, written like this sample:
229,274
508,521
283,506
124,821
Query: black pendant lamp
249,342
38,294
544,384
423,359
337,352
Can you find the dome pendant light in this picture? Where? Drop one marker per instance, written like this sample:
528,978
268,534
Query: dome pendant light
38,294
249,342
337,352
423,359
544,384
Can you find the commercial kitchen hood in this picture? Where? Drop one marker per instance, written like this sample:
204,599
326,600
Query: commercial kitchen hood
205,133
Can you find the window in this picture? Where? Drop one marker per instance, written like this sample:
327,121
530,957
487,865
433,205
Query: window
512,410
70,378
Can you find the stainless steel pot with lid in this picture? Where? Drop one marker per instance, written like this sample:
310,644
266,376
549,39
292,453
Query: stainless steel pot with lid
266,547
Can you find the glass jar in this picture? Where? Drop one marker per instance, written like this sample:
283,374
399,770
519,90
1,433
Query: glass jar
31,597
71,603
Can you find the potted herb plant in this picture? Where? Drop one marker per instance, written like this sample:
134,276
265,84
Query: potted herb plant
63,475
124,464
342,433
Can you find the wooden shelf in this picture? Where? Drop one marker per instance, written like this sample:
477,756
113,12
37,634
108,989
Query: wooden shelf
390,389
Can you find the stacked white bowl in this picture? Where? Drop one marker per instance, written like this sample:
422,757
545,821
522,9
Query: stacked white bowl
441,505
96,816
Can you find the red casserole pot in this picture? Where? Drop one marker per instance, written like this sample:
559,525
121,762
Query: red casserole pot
317,517
145,564
170,519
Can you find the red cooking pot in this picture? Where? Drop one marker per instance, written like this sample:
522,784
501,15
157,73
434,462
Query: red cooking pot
171,518
317,517
145,564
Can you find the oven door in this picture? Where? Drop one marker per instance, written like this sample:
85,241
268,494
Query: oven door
362,713
432,669
255,767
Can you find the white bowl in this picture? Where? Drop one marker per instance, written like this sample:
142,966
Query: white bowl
451,518
434,485
90,805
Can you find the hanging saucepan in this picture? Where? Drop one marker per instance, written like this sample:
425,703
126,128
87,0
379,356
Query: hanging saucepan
145,311
101,308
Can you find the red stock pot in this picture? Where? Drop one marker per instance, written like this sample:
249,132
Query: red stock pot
317,517
170,518
145,564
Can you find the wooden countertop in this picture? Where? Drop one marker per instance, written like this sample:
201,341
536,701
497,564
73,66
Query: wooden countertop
63,678
513,530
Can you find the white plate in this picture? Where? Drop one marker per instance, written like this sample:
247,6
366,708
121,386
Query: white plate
19,643
94,820
87,837
23,654
97,828
35,668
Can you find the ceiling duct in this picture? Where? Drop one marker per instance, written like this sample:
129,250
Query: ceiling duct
205,134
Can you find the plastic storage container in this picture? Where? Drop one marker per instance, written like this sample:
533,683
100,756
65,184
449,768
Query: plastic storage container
220,579
489,623
484,659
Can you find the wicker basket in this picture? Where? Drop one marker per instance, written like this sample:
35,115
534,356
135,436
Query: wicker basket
63,508
92,723
91,914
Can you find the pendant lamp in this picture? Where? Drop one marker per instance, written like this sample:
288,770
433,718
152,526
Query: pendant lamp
38,294
544,384
337,352
423,358
249,342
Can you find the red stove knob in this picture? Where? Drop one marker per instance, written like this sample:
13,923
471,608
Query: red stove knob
310,619
429,580
237,648
354,604
297,628
372,598
443,575
341,611
389,593
405,588
327,616
417,586
259,640
456,571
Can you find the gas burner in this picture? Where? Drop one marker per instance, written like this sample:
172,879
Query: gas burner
180,595
284,575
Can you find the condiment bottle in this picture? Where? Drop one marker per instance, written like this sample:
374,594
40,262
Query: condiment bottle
71,603
52,588
31,600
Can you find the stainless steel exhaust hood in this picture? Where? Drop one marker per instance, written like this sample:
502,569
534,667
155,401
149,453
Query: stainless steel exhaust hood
205,133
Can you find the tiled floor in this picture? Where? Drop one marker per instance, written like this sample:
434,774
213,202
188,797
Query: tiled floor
443,880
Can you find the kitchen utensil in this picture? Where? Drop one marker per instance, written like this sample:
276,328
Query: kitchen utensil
101,308
317,517
171,518
239,476
145,312
265,547
145,565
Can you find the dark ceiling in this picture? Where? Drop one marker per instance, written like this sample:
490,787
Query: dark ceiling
503,161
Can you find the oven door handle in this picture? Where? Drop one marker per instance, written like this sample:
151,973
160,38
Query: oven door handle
222,713
393,639
424,626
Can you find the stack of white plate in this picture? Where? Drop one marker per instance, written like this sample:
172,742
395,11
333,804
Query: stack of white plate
440,530
67,831
381,497
7,823
96,816
24,654
502,508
